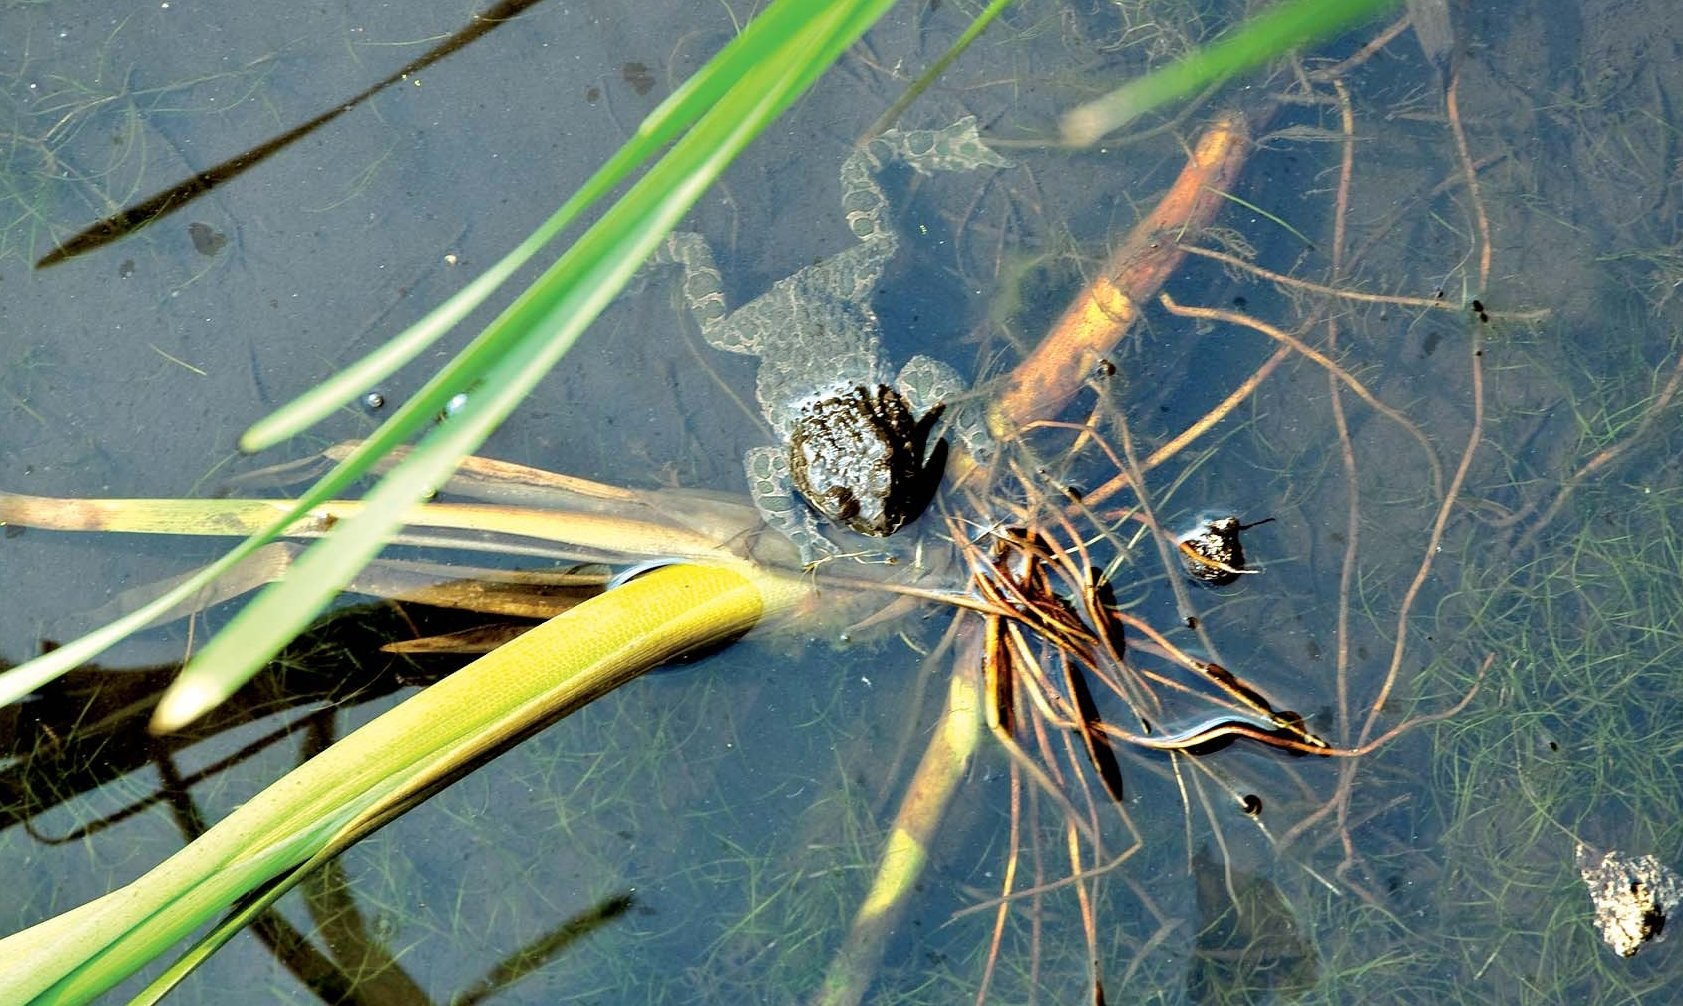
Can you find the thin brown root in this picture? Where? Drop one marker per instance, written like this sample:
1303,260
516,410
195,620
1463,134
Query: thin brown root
1321,359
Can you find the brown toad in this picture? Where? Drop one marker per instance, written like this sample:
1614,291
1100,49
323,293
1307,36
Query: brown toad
851,441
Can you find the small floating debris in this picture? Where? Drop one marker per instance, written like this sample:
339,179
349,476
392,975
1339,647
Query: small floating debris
1633,896
1211,552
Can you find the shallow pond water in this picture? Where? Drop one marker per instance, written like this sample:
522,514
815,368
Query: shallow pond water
707,834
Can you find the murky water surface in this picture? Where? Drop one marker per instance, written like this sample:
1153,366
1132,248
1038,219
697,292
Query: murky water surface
1468,468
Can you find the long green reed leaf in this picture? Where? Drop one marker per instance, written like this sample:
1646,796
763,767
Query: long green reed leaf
673,115
1271,33
517,350
765,68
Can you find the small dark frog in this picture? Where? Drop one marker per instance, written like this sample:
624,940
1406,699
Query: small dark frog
858,458
1211,552
852,436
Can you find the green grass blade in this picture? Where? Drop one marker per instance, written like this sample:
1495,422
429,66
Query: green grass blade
1272,33
679,111
176,915
516,351
227,928
798,39
924,80
17,683
1272,218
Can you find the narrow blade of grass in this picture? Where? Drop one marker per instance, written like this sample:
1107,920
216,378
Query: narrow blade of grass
770,64
678,112
515,352
1272,33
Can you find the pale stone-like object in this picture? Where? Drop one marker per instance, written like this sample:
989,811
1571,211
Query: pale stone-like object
1633,896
